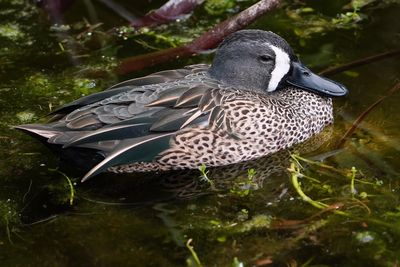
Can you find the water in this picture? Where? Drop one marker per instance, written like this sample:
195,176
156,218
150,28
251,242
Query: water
145,221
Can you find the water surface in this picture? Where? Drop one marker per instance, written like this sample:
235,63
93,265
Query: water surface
147,221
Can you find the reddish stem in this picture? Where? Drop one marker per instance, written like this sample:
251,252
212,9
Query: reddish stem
359,62
170,11
364,114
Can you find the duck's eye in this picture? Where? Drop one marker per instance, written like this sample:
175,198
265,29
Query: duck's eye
265,58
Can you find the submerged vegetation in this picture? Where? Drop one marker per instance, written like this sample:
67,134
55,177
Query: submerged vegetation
335,206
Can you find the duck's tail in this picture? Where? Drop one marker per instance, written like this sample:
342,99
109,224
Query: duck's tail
80,159
97,151
42,132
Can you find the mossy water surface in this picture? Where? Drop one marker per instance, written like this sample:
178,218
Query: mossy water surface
344,212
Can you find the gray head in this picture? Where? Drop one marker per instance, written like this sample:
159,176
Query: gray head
252,59
263,61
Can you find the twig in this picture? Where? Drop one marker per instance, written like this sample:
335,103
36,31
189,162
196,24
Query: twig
213,37
8,230
364,114
359,62
207,40
27,192
114,203
291,224
170,11
48,219
296,158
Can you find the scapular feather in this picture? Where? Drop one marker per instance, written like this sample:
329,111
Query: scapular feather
90,99
84,121
158,77
191,97
168,98
206,101
170,121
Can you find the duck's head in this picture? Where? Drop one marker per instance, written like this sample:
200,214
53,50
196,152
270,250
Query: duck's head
263,61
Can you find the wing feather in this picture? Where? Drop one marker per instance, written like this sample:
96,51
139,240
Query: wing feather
139,149
109,133
168,98
195,115
158,77
128,123
172,120
125,86
191,97
90,99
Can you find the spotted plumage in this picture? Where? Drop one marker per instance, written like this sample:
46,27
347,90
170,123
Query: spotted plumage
255,99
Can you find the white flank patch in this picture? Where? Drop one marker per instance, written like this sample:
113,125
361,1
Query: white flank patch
282,66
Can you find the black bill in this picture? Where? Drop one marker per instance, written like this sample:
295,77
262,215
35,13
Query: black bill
304,78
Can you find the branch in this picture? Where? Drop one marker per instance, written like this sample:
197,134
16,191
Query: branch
213,37
170,11
364,114
359,62
207,40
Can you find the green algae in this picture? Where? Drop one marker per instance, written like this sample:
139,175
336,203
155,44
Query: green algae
12,32
26,116
218,7
9,220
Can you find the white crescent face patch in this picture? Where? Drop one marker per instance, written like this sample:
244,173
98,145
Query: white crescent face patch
282,67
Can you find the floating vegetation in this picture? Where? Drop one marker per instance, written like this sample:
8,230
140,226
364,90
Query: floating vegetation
194,255
84,86
243,188
204,176
71,188
26,116
8,219
349,197
218,7
11,31
308,21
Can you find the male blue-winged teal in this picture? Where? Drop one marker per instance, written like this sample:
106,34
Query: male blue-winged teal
255,99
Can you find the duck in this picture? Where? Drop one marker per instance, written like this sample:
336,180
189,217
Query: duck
255,99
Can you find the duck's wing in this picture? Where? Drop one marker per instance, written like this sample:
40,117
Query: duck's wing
125,86
197,106
136,126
